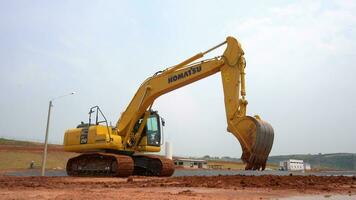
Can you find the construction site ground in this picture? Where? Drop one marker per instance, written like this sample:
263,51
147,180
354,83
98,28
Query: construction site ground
192,187
15,159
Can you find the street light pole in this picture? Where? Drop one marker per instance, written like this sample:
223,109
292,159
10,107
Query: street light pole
46,140
44,159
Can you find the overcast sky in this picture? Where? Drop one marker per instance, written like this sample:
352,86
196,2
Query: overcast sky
301,75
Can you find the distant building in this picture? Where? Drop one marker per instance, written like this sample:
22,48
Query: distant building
292,165
190,163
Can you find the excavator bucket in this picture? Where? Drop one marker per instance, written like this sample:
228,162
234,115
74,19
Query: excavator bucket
256,139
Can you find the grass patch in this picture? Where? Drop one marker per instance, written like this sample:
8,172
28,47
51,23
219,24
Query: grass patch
22,160
4,141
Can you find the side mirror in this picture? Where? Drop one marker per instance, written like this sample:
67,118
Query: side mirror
163,122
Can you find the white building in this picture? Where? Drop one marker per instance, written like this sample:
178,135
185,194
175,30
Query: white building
190,163
292,165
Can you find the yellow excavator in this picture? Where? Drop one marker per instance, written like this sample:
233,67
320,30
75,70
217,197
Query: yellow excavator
120,150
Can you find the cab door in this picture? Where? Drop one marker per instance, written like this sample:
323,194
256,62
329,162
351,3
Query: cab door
153,130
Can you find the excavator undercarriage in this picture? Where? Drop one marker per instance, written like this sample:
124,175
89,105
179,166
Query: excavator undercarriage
109,164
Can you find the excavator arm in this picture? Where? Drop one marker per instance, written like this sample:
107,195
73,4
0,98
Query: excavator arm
254,135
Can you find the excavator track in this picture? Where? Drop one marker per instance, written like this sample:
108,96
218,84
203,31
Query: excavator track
100,164
152,165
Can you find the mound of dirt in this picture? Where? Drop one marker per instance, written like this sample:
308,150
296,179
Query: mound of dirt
318,183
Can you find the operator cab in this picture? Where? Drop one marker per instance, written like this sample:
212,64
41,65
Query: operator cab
153,129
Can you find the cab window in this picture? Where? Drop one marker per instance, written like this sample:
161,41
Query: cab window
152,131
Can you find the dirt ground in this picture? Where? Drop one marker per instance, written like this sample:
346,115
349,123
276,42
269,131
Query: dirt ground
187,187
194,187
